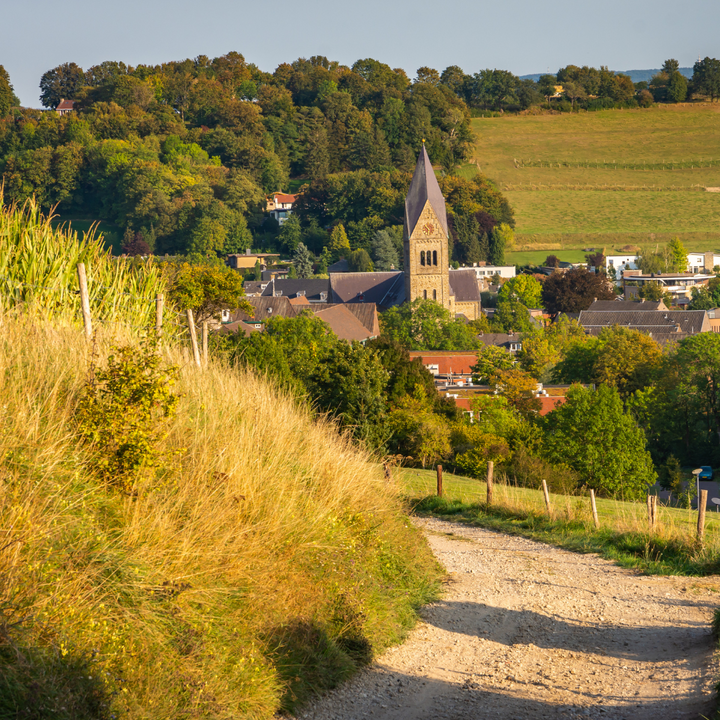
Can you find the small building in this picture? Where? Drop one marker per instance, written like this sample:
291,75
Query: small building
65,107
447,364
483,271
512,342
316,290
616,264
662,325
280,205
679,285
247,260
703,262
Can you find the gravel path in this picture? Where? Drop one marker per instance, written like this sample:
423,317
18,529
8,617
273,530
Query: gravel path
528,631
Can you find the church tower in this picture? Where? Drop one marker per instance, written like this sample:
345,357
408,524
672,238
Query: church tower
425,238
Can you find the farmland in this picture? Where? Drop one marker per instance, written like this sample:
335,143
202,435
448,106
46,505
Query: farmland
609,178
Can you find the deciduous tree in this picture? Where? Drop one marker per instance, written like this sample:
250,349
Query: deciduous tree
592,433
574,291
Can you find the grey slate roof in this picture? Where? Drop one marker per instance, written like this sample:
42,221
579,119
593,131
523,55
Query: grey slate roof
631,306
499,339
464,286
340,266
658,323
385,289
265,307
290,287
424,187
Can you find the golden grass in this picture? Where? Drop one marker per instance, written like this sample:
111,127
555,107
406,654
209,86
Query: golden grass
230,585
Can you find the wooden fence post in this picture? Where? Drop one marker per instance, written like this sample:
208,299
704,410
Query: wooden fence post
652,511
491,465
594,509
205,342
439,481
193,337
702,503
547,498
159,307
84,300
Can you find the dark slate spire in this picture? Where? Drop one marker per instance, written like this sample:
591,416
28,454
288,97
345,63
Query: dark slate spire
424,187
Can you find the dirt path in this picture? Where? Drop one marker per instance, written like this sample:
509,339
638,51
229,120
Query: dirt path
529,631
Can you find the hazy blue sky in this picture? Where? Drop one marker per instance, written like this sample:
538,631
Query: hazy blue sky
523,36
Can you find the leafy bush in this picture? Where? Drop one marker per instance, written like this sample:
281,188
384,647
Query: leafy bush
527,470
121,411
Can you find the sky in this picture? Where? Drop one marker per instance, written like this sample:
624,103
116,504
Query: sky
523,36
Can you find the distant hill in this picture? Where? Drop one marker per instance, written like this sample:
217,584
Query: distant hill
635,75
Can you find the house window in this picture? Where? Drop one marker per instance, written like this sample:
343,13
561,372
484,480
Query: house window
434,257
422,257
434,294
424,294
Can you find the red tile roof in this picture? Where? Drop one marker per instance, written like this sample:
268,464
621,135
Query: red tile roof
447,362
281,198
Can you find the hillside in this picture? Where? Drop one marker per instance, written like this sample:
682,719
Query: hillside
198,548
607,178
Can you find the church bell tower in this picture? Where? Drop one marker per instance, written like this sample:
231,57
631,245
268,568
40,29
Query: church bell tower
425,238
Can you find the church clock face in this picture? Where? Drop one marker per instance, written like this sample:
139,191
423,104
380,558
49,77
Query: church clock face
428,228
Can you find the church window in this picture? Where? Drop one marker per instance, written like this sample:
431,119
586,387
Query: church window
424,294
434,257
422,257
434,294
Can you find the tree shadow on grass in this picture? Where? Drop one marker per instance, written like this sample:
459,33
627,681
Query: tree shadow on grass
309,661
38,683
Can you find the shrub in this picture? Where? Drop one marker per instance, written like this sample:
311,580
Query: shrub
121,411
527,470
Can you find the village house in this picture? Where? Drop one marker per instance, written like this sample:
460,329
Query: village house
65,107
248,260
697,263
679,285
653,318
351,322
279,206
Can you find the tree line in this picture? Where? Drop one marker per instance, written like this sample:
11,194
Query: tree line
181,156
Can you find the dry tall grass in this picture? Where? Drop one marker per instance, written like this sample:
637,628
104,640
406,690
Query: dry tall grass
265,560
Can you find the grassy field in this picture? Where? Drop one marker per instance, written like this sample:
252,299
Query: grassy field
623,535
607,178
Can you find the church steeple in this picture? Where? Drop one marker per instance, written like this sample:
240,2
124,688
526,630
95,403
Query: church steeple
425,238
424,188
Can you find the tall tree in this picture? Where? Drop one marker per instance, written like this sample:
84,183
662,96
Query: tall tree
8,98
594,435
303,261
706,77
62,82
384,254
523,288
574,291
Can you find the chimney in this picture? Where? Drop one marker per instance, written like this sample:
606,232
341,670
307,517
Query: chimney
247,251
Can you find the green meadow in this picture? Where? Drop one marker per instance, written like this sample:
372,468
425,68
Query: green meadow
607,179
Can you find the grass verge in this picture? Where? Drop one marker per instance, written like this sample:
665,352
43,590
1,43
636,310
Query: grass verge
261,561
623,536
